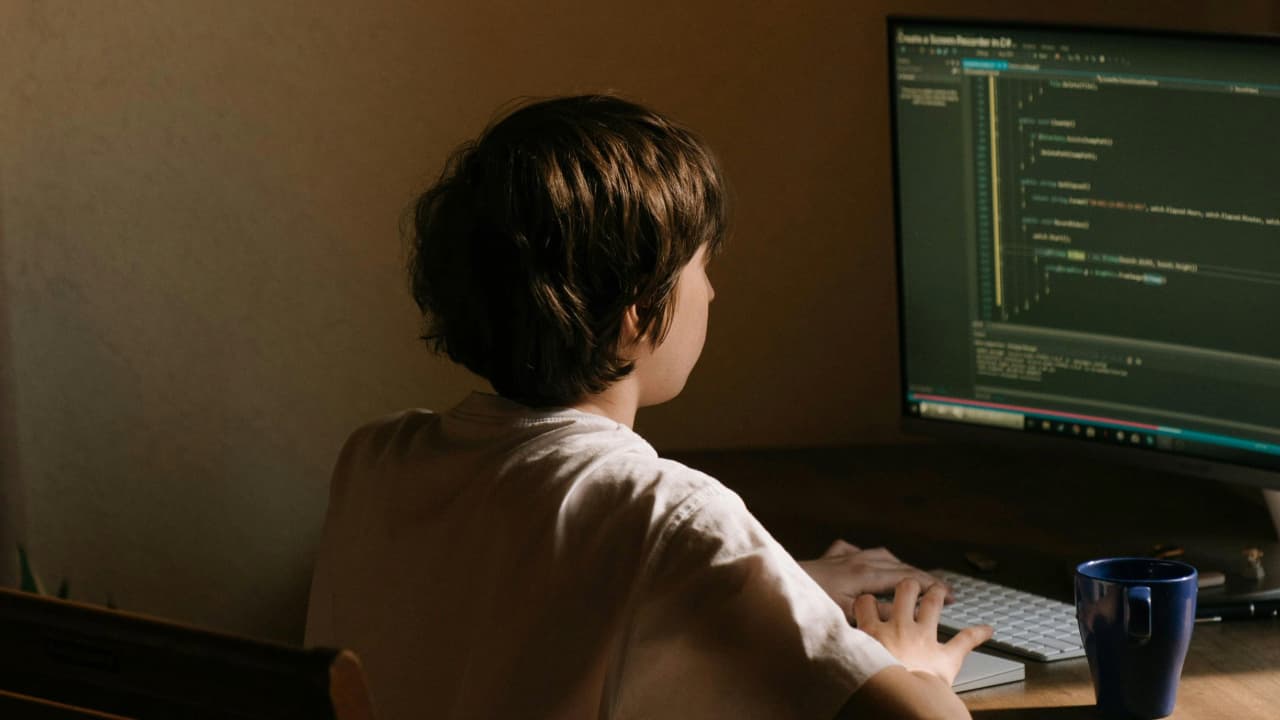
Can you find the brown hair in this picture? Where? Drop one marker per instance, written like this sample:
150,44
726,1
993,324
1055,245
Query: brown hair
542,232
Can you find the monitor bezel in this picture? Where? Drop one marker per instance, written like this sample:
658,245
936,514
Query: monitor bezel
1163,461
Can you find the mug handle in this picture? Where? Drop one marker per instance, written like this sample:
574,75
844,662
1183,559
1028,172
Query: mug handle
1137,613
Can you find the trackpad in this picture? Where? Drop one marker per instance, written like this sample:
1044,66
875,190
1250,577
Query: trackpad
982,670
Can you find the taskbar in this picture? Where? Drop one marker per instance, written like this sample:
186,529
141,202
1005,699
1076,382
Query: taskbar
1095,428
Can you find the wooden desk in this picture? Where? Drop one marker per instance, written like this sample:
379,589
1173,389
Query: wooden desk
1038,516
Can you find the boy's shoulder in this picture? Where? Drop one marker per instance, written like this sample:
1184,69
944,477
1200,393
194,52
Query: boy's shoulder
377,435
572,444
673,480
597,454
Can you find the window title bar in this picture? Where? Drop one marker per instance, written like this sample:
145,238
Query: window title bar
954,40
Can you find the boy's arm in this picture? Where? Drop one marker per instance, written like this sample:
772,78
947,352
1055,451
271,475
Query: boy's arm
896,692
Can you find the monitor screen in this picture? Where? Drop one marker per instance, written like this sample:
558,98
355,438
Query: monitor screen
1088,231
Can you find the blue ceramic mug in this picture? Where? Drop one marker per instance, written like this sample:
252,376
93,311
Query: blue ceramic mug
1136,617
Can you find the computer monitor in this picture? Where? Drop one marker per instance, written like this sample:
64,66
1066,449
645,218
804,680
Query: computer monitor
1088,231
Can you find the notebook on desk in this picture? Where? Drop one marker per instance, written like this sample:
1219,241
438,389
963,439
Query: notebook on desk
983,670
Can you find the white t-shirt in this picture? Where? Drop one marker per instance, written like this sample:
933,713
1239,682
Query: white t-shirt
496,561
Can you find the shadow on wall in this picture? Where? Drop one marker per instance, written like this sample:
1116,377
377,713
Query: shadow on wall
13,499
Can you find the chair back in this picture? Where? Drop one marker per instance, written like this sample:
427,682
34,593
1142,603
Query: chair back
61,659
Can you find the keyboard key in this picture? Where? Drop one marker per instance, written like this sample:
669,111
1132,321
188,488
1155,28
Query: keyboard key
1058,644
1026,624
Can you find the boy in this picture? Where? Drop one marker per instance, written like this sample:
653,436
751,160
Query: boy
526,554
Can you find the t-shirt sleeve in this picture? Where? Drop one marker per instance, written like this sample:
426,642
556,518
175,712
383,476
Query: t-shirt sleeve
729,625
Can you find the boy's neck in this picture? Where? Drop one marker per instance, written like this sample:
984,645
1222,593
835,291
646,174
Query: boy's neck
618,402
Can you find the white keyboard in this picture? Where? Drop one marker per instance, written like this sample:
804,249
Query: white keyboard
1032,626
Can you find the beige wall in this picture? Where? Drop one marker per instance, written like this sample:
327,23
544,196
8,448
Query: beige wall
202,287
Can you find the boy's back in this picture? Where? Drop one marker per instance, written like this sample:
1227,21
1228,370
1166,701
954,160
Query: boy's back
529,555
496,561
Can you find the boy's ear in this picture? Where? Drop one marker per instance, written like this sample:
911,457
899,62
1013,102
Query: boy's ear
630,334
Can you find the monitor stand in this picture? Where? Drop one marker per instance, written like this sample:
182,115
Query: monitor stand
1239,585
1272,498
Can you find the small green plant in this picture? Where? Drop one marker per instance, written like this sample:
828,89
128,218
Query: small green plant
30,582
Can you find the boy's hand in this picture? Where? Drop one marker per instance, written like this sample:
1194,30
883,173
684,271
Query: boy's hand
911,634
846,571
